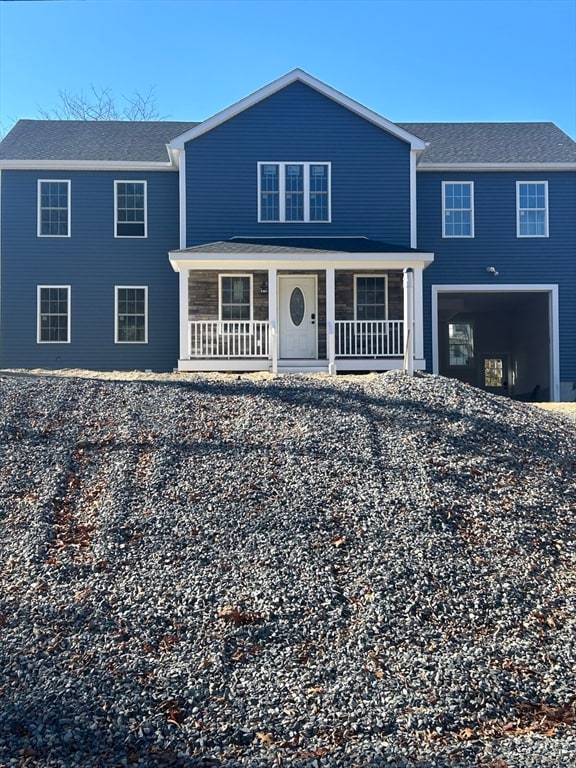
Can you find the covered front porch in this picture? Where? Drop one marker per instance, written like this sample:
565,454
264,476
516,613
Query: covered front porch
278,306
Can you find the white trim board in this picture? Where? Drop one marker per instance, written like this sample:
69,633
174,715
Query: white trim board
337,259
554,321
86,165
528,167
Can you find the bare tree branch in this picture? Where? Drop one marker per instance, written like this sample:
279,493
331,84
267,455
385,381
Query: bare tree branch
101,105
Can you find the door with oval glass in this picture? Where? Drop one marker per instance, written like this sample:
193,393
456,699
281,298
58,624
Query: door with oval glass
297,316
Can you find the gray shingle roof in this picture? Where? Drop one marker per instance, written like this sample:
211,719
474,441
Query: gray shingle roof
125,141
493,143
91,140
345,244
273,245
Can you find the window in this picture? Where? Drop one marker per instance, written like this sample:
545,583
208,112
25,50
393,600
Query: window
53,303
130,209
460,344
457,209
235,297
369,337
289,192
131,315
53,208
371,297
532,207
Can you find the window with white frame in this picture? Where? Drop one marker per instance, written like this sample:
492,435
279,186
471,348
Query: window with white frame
370,291
53,208
53,308
457,209
532,208
460,344
130,215
294,192
131,314
235,297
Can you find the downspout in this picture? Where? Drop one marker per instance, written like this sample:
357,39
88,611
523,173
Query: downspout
184,276
409,321
1,307
272,315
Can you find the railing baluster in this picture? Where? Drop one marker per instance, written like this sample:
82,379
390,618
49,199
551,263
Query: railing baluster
228,339
369,338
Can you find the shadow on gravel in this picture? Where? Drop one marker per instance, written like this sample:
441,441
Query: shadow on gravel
472,454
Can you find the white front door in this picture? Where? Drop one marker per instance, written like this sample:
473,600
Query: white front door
298,316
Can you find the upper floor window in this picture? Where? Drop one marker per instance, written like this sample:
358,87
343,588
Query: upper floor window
532,208
457,209
130,209
131,315
292,192
53,208
53,314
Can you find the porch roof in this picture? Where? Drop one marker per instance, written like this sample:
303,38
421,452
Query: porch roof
271,245
298,252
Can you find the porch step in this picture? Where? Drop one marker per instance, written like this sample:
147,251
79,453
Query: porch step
303,366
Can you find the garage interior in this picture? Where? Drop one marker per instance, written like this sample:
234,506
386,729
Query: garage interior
498,341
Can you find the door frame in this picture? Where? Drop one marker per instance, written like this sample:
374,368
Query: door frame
309,276
553,321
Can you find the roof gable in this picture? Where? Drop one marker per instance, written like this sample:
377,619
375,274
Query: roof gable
298,75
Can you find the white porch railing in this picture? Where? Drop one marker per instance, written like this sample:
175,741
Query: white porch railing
244,339
369,338
228,338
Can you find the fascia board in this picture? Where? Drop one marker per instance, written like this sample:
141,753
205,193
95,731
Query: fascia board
446,167
282,82
84,165
339,260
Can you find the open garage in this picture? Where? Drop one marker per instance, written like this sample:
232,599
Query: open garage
500,340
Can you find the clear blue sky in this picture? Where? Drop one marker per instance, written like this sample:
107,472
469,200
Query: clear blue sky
412,60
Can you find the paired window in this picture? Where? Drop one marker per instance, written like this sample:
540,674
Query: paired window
532,208
457,209
53,309
53,208
130,216
460,344
292,192
370,293
131,314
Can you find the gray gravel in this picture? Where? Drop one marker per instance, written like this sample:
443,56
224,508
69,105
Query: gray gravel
297,571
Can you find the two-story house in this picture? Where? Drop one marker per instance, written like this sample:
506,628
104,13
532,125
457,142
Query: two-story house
294,231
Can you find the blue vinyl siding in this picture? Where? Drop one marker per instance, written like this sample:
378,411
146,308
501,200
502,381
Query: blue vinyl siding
550,260
92,261
370,170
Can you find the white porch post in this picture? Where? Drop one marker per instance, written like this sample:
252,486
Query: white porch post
409,321
183,313
331,318
272,315
418,313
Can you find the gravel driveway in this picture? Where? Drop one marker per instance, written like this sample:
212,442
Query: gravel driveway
293,571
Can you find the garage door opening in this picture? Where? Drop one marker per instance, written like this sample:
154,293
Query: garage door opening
498,340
